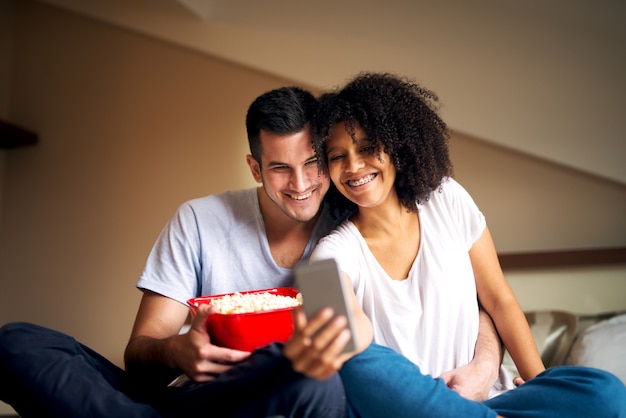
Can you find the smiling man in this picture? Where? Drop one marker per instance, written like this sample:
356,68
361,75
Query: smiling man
220,243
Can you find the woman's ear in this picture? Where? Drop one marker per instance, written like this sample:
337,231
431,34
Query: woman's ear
255,168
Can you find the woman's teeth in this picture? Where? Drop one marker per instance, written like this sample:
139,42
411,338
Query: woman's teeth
361,181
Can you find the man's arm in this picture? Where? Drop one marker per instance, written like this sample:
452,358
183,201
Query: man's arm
155,341
474,380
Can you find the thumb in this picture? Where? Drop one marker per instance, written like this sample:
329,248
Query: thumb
199,321
299,319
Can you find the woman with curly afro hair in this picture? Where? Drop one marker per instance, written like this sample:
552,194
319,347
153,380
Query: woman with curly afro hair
401,120
417,250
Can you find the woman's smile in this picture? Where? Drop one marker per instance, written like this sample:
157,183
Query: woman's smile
360,170
360,182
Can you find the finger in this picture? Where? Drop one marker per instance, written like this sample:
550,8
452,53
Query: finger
299,319
333,353
325,354
329,333
298,345
227,356
215,369
317,321
203,377
300,322
311,337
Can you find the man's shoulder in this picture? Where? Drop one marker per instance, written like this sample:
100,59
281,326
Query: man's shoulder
229,199
225,209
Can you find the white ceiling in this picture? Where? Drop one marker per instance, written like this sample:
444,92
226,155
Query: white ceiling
545,77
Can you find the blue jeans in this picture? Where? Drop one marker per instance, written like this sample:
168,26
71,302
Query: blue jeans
381,383
45,373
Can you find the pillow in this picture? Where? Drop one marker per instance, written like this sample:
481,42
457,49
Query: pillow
602,346
554,333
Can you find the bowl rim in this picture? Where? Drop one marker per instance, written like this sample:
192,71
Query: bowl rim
193,302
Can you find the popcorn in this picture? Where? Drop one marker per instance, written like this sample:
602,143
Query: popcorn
237,303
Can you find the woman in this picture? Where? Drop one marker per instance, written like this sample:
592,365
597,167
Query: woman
417,249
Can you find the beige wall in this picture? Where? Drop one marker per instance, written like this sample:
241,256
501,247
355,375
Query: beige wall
583,290
130,127
532,205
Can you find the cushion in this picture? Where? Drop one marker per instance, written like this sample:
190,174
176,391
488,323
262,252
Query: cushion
554,332
602,346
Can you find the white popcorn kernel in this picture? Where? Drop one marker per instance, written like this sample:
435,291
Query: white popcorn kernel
253,302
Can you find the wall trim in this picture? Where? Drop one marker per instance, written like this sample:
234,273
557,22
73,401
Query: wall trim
565,258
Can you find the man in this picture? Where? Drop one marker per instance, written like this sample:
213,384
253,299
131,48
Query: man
240,240
249,239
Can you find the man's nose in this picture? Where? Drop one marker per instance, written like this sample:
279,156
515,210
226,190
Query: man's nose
298,180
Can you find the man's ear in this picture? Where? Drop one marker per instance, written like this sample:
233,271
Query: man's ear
255,169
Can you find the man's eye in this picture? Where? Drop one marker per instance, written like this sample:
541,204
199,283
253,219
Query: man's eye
280,168
311,161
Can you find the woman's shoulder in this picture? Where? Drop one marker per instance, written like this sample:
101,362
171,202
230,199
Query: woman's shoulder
449,190
451,185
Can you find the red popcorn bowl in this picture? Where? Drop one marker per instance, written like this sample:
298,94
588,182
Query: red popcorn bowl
248,330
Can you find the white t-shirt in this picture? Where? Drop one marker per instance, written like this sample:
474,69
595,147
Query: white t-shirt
432,316
217,244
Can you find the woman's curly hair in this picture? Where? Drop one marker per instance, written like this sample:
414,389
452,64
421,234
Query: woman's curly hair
399,117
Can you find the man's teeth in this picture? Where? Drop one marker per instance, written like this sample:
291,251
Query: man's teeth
301,197
361,181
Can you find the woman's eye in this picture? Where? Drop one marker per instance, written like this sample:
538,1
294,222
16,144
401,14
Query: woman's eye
334,157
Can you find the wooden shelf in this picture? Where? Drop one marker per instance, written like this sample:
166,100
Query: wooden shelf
563,258
13,136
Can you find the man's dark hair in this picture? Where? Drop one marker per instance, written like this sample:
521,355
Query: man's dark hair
282,111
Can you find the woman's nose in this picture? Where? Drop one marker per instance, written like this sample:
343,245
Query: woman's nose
353,163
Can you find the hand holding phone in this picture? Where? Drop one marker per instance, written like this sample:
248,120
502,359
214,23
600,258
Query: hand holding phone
321,285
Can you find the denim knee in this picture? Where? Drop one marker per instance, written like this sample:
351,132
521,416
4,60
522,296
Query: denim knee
565,391
13,336
380,382
605,391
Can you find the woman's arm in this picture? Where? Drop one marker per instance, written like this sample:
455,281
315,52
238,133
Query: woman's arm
363,325
498,299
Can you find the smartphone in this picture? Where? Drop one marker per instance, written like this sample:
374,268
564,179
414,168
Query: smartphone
321,285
